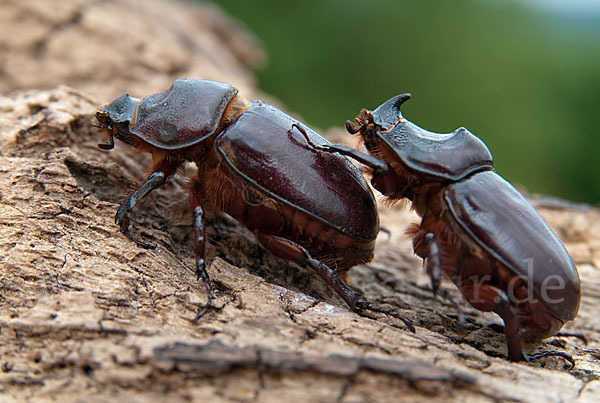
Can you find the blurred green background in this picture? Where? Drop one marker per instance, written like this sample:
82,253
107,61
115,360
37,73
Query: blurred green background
524,78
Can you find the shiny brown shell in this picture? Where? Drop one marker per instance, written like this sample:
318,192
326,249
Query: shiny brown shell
508,227
185,114
323,185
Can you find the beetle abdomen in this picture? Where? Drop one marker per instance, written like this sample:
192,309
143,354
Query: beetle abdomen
501,221
263,147
226,191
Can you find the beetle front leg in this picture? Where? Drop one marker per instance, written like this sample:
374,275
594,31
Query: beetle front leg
428,248
200,262
378,166
155,180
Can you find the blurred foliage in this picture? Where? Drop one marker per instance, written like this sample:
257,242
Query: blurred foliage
527,83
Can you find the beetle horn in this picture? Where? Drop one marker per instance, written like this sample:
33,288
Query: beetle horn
389,112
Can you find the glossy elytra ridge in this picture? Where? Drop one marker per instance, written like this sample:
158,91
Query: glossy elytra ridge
260,166
476,228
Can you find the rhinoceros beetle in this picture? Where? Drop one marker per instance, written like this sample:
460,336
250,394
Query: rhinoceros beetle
476,228
311,207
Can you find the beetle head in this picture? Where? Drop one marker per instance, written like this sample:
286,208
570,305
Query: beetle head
116,118
381,120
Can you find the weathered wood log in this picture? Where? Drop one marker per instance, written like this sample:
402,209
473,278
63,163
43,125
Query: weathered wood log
87,315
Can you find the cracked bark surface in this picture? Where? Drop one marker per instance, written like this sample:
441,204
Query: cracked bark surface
87,315
84,312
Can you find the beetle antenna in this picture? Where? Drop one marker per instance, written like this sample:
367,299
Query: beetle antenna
351,128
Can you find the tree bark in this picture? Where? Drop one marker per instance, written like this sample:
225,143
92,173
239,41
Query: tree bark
85,314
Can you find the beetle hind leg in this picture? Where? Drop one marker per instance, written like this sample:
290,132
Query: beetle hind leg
494,299
566,356
579,336
290,250
512,329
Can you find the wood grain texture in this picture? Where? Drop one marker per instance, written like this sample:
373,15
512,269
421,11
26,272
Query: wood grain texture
87,315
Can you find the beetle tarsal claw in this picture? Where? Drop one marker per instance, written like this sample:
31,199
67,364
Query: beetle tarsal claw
579,336
205,308
566,356
367,306
142,244
122,220
459,311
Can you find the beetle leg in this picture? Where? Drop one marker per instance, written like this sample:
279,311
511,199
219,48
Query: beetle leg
486,297
155,180
566,356
290,250
512,329
430,249
367,306
200,262
579,336
379,167
459,311
552,354
434,267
